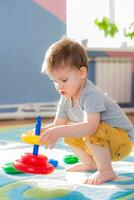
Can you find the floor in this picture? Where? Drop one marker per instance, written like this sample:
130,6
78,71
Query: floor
30,186
131,117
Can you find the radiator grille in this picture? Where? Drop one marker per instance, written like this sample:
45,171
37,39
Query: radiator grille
114,76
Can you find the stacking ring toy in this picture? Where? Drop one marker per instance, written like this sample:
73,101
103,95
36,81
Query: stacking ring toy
9,169
33,162
70,159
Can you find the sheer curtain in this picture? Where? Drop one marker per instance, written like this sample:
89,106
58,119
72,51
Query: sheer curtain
82,13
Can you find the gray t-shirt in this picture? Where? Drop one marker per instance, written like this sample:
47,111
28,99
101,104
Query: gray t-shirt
94,100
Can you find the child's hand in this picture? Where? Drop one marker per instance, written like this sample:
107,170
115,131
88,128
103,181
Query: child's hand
49,138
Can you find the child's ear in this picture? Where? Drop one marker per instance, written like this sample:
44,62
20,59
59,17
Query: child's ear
83,72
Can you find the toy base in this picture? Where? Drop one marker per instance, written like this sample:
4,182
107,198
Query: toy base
32,164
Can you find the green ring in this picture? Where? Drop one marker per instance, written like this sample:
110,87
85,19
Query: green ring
9,169
71,159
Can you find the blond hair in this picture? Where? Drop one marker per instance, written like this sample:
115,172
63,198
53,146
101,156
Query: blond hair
65,51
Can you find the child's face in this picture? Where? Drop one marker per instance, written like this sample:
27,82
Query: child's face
68,81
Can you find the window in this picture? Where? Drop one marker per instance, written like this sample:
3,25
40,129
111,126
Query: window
82,13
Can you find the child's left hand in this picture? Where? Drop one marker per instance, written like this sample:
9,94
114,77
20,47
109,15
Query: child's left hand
49,138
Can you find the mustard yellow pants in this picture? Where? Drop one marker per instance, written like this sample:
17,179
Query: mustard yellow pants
116,139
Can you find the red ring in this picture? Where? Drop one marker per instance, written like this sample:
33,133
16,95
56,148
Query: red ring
34,160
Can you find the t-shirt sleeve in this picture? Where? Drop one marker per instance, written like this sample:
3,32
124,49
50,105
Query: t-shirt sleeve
61,111
93,103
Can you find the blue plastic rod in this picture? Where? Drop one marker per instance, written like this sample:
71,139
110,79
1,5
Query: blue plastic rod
37,132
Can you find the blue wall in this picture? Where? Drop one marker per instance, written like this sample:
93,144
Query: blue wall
26,31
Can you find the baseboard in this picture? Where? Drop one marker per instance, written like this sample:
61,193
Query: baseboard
28,110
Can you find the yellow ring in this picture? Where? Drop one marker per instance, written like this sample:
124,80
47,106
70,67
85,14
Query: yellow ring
30,139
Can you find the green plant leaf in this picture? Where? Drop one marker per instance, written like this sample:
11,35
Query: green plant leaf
110,29
130,31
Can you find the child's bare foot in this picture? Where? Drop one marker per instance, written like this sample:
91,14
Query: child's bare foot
100,177
81,167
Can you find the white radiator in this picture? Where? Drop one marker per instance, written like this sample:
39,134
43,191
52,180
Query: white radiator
114,76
